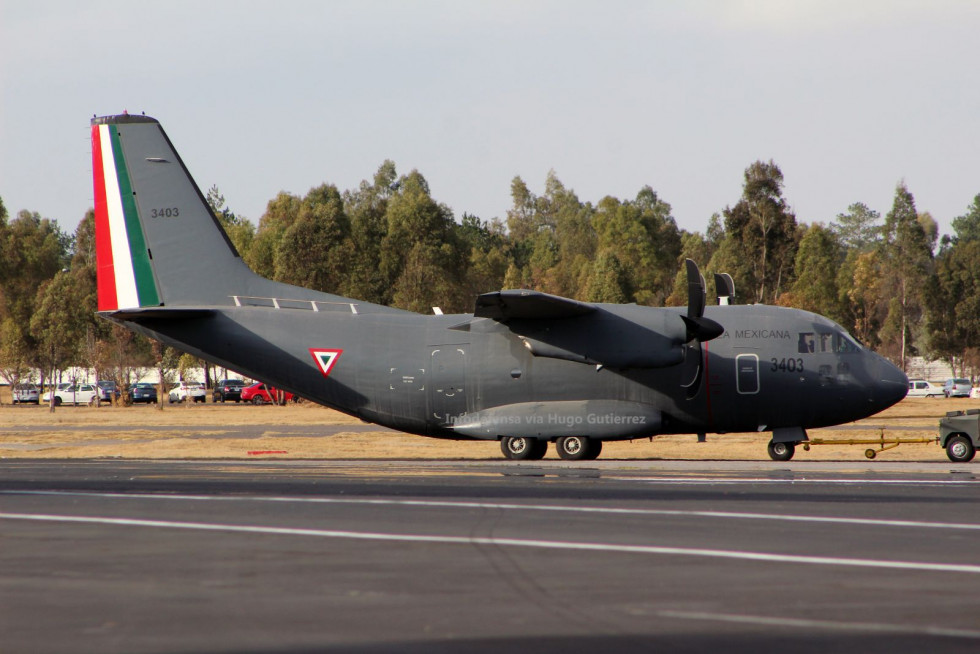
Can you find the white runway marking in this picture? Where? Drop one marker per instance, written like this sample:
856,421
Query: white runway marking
558,508
507,542
797,623
802,480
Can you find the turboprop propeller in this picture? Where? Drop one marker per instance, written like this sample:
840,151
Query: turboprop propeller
699,329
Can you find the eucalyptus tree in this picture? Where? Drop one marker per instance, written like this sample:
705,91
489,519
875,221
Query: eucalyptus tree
907,263
761,236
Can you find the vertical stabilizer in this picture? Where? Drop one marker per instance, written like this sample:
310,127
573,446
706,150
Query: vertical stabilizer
157,241
158,244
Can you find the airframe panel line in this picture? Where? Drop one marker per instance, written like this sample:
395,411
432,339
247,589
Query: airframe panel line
773,621
874,522
766,557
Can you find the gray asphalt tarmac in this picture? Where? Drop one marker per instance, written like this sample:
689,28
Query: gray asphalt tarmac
230,556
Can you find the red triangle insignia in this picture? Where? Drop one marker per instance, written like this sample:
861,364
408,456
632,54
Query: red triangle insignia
325,359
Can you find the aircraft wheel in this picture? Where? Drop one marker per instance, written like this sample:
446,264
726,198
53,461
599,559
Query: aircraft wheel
523,448
960,449
781,451
539,448
578,448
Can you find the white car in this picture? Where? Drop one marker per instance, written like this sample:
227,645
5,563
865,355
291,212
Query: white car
922,388
72,394
26,393
186,389
59,389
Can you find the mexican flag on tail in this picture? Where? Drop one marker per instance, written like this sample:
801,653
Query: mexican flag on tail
125,277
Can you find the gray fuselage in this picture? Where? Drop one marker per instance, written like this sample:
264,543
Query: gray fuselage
773,367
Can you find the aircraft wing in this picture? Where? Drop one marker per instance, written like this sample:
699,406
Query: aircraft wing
528,305
626,336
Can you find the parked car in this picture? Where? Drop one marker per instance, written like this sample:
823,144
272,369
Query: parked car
142,392
108,390
26,394
188,389
957,387
923,388
259,393
72,394
60,387
228,389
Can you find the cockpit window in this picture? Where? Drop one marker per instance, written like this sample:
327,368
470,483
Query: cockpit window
811,342
845,344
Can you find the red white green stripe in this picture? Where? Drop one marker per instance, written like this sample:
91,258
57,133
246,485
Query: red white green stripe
125,277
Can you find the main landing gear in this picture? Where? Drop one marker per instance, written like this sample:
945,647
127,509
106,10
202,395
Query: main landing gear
570,448
523,448
578,448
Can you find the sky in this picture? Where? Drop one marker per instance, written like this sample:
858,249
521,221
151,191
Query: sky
848,98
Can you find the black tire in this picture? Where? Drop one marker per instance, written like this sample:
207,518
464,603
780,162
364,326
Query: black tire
57,401
578,448
781,451
521,448
539,448
258,399
960,449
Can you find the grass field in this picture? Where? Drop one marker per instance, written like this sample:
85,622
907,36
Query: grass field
202,431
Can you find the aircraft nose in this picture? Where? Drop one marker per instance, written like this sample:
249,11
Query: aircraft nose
890,383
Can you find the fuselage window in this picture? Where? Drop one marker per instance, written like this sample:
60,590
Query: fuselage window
806,342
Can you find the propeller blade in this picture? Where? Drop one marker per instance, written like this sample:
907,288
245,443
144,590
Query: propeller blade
692,362
699,329
695,290
724,288
695,388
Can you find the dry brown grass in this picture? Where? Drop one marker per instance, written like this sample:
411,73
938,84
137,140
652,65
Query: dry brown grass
145,432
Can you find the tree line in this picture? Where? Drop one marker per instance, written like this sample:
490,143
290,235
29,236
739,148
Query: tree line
891,281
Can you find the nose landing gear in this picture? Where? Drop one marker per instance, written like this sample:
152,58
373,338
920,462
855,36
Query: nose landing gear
781,451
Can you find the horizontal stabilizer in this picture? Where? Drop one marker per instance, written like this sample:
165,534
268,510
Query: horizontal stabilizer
156,313
528,305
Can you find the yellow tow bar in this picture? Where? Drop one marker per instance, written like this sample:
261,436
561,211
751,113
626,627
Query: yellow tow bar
882,442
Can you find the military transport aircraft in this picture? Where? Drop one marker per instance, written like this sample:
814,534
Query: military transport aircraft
526,368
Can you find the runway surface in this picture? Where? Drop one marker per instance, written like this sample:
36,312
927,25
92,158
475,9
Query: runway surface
349,556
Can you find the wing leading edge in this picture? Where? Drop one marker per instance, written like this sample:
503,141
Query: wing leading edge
528,305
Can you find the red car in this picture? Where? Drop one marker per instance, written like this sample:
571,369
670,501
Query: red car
259,393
